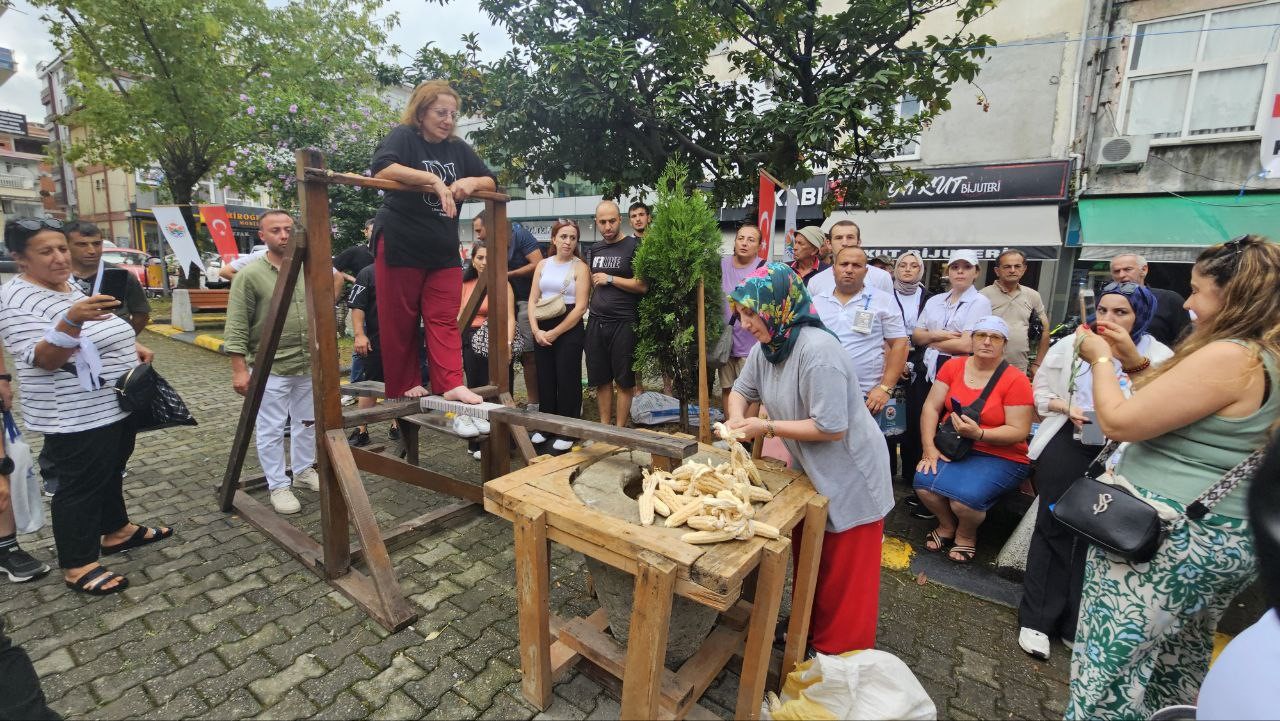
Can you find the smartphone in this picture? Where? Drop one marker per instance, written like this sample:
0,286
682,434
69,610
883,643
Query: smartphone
113,282
956,407
1088,307
1091,432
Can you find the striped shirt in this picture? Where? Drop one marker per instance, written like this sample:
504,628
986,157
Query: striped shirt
54,401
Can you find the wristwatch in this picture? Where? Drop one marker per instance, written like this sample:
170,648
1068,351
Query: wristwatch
885,388
610,281
6,466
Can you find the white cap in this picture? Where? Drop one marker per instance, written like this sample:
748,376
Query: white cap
968,255
990,323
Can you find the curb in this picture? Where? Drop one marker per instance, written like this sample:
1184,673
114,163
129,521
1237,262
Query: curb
202,340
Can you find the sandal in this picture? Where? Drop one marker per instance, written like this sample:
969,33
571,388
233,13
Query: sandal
85,583
939,541
138,539
966,554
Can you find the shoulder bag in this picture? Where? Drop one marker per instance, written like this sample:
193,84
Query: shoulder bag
1109,515
553,306
480,342
948,440
148,398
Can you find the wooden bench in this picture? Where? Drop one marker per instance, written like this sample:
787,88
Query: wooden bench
188,301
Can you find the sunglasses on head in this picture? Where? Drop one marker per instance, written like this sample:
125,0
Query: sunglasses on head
1124,288
1236,244
37,223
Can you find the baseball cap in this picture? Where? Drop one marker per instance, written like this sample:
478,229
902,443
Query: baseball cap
968,255
990,324
813,234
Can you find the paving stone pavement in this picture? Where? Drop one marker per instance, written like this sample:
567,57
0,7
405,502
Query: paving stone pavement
220,623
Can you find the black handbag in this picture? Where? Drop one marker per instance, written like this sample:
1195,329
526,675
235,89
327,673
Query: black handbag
1121,523
137,387
165,409
947,439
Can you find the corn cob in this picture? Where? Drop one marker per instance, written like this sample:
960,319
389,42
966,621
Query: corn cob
707,536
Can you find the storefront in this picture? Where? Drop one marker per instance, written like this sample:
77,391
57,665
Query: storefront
244,225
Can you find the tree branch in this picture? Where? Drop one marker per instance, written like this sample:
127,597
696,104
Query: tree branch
97,54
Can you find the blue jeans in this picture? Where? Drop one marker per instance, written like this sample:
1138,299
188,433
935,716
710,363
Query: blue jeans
977,481
357,367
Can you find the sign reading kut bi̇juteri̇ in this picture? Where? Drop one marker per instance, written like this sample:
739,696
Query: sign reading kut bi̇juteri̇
1007,183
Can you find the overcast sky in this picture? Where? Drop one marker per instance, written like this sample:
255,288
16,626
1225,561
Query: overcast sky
420,21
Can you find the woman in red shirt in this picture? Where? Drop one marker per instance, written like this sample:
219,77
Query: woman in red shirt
959,492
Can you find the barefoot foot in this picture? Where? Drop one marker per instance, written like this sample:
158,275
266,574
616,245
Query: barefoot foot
416,392
463,394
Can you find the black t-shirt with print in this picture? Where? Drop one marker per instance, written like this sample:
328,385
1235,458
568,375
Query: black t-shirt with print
415,231
364,296
609,302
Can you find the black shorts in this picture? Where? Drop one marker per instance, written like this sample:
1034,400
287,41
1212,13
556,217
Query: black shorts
611,350
371,364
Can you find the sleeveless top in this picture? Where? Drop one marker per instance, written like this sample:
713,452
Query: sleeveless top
553,280
1184,462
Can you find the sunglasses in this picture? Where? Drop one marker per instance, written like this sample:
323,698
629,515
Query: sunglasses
992,337
1122,288
1236,244
37,223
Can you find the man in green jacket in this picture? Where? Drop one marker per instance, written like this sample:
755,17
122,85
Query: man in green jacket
288,392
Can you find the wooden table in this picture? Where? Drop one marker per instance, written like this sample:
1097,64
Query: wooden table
541,503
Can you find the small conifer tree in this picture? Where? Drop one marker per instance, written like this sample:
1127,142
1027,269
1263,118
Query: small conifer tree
681,247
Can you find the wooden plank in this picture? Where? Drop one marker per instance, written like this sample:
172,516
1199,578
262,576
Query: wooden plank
806,582
323,175
533,601
385,411
407,532
592,643
472,306
704,394
702,668
519,434
364,389
647,642
409,442
496,459
437,422
277,311
347,478
398,470
635,439
354,585
764,619
563,657
497,487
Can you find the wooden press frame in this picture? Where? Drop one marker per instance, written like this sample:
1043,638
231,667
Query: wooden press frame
342,493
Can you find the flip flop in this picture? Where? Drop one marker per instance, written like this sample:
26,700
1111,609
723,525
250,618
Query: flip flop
82,584
139,538
966,554
938,540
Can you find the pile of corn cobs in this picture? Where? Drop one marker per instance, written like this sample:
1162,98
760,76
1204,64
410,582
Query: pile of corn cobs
715,501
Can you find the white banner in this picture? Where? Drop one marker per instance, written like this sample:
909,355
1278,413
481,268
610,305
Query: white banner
178,235
792,200
1271,130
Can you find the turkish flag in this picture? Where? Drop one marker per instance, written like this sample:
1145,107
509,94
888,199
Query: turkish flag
215,219
765,198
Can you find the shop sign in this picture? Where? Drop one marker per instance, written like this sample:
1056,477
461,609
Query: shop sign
244,217
13,123
1033,252
1008,183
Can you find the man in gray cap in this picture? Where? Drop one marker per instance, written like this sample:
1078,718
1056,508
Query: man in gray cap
807,263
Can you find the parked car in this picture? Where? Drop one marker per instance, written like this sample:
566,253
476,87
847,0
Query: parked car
131,259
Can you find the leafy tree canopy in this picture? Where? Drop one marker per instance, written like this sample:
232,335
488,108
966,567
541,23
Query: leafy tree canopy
610,90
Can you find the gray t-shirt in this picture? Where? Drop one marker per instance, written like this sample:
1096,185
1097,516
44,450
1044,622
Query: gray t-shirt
818,381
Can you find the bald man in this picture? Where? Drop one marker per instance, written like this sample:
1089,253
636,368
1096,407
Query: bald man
611,327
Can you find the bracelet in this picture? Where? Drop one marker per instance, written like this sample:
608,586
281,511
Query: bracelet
67,319
5,377
768,429
1145,364
1103,359
982,433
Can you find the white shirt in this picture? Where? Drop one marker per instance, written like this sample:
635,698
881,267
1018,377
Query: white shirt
1242,684
866,349
910,306
240,261
940,313
825,281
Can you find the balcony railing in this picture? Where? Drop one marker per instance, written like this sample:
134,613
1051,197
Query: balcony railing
18,182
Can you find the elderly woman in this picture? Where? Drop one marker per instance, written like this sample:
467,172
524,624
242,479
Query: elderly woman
415,241
960,491
1145,633
1064,392
831,436
47,323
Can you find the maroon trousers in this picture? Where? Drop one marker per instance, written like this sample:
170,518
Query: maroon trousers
846,604
405,295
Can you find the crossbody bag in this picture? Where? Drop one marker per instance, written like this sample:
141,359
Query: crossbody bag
948,440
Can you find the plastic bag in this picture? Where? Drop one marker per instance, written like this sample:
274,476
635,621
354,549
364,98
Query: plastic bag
24,485
857,685
652,408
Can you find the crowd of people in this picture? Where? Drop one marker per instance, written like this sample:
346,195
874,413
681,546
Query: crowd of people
862,374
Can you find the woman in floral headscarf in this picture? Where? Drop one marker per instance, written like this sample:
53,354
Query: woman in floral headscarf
808,382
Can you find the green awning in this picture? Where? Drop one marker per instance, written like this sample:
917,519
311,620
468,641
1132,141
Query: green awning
1172,228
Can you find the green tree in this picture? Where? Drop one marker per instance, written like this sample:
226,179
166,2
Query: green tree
681,249
610,90
165,83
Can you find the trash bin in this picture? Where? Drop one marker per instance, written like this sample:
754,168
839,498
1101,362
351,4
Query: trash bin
155,273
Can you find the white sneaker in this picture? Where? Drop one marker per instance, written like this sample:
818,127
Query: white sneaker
537,438
1034,642
465,427
531,407
475,455
308,479
285,503
562,444
348,400
481,425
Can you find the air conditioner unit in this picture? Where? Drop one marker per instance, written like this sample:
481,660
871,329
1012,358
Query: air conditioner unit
1128,151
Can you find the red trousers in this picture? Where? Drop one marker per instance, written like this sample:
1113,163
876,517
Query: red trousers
846,604
405,295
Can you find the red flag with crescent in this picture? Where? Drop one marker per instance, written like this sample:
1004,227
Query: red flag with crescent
764,220
215,219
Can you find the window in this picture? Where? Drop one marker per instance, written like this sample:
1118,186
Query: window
909,150
1200,75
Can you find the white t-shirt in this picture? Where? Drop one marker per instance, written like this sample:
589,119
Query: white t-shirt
825,281
240,261
1242,684
940,313
54,401
865,348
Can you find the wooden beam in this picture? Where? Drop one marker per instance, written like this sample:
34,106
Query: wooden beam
277,311
647,640
519,434
601,649
764,619
533,602
409,531
809,554
472,306
322,175
398,470
704,394
385,411
637,439
496,460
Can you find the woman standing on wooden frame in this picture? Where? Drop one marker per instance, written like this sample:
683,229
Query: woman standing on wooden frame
418,271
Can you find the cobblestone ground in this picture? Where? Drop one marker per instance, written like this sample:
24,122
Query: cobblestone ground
219,623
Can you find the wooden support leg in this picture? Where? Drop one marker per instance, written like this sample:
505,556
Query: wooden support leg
647,642
409,437
533,588
806,583
764,619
